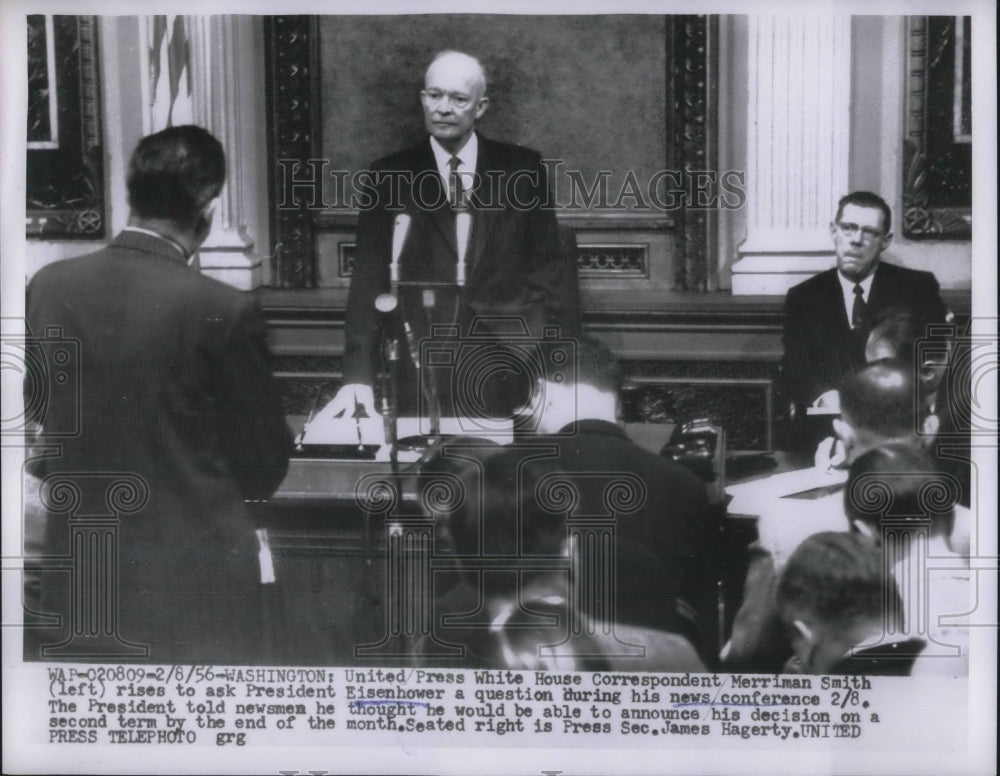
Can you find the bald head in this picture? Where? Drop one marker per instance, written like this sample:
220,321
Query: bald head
879,403
456,63
881,398
454,98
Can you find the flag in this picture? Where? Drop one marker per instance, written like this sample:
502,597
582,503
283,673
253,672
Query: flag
169,73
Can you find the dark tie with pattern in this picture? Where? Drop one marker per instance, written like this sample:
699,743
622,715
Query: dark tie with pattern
458,200
858,311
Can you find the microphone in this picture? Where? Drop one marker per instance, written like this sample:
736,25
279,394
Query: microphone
386,304
400,228
462,224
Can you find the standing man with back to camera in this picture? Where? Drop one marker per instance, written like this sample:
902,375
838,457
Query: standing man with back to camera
176,395
828,317
502,261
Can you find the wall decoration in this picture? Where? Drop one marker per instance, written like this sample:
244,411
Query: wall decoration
65,162
937,148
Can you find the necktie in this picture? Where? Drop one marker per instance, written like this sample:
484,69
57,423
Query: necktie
455,183
858,311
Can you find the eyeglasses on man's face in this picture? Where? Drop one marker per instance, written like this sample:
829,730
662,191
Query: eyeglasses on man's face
851,231
435,97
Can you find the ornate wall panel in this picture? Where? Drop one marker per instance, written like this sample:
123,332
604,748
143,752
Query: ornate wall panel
292,54
695,110
65,163
665,114
937,148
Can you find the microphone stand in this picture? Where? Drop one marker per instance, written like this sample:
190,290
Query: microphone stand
434,403
390,399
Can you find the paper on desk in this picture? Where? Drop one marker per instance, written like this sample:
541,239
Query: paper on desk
344,431
821,411
371,431
760,496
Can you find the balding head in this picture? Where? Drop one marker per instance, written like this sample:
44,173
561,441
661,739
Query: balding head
458,64
879,403
454,98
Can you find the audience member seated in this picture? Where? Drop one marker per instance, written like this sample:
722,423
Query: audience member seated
899,499
879,403
883,404
514,604
486,521
879,406
896,477
903,335
663,528
831,599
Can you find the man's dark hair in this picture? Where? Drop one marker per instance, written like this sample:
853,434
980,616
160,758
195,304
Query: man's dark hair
908,334
501,514
174,173
896,482
838,577
867,199
596,365
900,328
880,398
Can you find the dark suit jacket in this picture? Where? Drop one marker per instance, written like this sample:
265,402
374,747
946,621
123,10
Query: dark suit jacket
821,348
515,267
174,387
663,547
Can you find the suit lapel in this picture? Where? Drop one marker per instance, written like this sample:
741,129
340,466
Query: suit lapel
833,298
483,219
880,287
431,189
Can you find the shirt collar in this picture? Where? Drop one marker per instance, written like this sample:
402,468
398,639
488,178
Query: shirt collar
172,243
847,289
848,285
469,154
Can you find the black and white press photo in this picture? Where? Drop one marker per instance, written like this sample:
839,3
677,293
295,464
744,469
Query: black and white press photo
521,388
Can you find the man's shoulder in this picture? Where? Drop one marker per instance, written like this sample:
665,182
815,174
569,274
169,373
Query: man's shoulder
898,274
63,270
619,451
168,278
513,151
818,282
495,151
403,158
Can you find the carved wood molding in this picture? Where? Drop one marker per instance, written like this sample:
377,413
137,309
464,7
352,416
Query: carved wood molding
291,64
695,90
924,215
293,114
65,182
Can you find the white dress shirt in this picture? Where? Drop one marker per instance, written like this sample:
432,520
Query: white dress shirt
468,156
847,286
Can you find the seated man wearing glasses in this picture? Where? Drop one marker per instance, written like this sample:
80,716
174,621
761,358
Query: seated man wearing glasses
828,317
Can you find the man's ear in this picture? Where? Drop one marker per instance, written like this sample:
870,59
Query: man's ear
203,225
481,106
886,241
